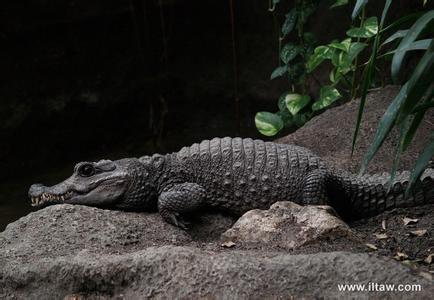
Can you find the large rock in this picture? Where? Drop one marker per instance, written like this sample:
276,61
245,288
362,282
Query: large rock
65,229
287,225
170,272
84,252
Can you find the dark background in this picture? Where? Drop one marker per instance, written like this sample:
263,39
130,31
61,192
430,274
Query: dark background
92,79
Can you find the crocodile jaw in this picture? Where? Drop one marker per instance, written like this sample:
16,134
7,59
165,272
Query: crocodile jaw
49,198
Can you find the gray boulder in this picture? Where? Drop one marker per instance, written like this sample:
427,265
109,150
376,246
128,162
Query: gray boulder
81,252
171,272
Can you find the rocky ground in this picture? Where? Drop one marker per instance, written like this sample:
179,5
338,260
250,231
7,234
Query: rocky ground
288,251
81,252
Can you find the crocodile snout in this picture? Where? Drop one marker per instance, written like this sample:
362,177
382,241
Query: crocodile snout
40,194
36,190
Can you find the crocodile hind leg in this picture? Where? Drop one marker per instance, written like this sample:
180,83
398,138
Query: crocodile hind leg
179,199
315,188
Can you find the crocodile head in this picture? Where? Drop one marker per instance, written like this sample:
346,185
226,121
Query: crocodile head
117,184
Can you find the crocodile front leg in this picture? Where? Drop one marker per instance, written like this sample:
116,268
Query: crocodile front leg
179,199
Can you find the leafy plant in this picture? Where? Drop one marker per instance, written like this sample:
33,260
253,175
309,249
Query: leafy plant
300,59
415,97
294,108
408,108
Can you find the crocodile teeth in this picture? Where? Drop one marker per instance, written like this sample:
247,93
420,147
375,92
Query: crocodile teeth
35,201
46,197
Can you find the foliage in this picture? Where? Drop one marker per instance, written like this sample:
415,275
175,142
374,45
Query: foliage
415,97
268,124
294,53
294,108
299,59
408,108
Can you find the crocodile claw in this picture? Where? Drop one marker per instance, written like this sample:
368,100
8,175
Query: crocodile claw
174,218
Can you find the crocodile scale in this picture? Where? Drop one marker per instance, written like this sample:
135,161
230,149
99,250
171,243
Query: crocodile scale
234,175
237,175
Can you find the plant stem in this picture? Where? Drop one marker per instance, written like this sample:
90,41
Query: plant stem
279,38
300,32
354,86
347,81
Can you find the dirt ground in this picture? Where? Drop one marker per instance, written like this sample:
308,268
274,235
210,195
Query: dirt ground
330,135
411,243
387,234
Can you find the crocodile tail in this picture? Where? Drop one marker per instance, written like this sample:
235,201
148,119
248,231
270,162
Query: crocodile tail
370,195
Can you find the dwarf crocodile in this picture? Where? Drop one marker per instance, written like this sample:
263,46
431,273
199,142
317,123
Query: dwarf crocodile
230,174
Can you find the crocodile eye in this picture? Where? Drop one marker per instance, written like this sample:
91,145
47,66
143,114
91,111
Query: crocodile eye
86,170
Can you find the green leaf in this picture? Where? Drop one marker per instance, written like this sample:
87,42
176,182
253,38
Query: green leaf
368,29
287,118
397,35
421,164
410,19
305,10
398,152
281,102
279,71
337,58
344,45
328,95
296,72
358,7
411,130
368,77
345,63
420,82
384,126
300,119
418,116
408,39
418,45
289,52
309,43
339,3
335,75
309,38
268,123
355,49
319,55
289,23
296,102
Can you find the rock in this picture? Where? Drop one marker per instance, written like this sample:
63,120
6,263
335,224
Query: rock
171,272
82,252
68,229
60,230
287,225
